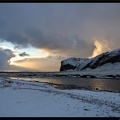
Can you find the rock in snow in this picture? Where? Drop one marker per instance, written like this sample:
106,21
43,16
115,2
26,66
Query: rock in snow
107,60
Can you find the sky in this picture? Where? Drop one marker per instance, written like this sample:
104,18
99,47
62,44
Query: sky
38,36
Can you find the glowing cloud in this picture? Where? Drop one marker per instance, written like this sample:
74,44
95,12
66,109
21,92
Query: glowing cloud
40,64
101,45
26,64
16,54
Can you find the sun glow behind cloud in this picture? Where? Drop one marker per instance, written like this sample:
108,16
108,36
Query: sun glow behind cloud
101,46
33,53
60,30
13,60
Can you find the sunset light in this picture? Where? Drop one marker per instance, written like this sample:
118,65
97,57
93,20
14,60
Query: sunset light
101,46
40,36
60,59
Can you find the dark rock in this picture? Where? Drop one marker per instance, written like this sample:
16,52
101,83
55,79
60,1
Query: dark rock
97,89
71,63
67,67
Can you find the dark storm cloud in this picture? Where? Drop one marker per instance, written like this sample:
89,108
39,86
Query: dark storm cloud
73,46
8,52
23,54
5,55
15,38
64,28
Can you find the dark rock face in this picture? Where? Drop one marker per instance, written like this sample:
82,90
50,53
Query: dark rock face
67,67
96,61
100,60
71,63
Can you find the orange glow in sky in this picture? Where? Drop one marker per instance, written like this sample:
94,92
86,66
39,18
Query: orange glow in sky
101,46
98,49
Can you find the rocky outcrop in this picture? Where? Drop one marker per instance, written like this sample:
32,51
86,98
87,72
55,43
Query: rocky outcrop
105,60
71,63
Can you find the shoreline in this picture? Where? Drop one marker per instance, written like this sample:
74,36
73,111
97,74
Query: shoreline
35,99
107,74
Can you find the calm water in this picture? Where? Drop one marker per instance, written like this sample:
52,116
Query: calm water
72,83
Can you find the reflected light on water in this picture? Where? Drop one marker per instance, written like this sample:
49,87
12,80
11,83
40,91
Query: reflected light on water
77,83
98,84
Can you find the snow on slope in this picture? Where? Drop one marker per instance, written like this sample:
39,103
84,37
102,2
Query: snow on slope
71,63
107,60
109,66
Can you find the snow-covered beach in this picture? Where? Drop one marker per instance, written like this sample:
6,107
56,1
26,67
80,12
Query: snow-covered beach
60,60
34,99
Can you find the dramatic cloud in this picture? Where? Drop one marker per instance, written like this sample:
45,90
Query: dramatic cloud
62,29
5,55
23,54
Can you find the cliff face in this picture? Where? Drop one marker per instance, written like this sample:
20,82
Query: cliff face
107,60
71,63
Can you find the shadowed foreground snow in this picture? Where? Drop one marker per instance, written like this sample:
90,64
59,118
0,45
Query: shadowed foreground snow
34,99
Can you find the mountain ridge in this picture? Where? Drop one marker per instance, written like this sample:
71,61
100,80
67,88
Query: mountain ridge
106,60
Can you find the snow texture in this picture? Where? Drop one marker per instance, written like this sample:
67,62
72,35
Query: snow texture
34,99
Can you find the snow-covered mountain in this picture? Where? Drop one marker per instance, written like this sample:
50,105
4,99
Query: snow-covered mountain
107,60
71,63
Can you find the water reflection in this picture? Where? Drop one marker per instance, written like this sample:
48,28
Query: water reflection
77,83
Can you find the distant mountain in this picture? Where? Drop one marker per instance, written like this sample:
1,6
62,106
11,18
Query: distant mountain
107,60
